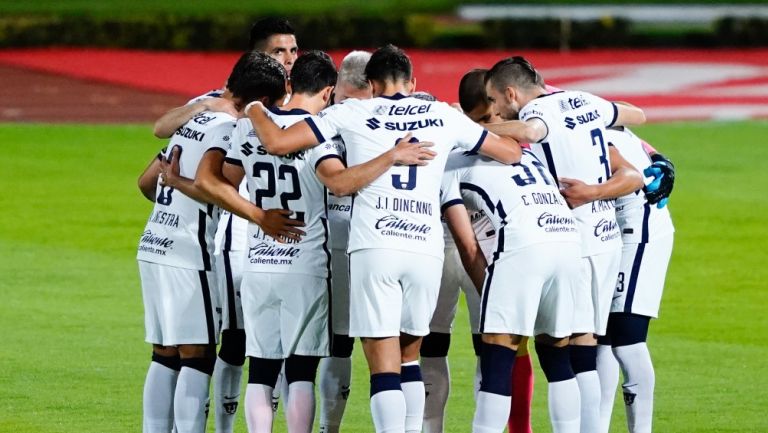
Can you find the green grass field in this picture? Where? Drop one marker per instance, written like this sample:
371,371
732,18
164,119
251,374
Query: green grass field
73,358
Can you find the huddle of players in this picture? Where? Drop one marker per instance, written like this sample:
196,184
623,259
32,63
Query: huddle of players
549,274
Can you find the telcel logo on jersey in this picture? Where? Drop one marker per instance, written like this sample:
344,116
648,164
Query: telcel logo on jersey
606,229
556,223
202,118
408,110
577,102
392,225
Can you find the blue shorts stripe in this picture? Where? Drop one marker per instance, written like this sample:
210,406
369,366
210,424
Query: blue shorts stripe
633,277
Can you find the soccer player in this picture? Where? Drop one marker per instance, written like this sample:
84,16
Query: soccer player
176,267
434,362
273,36
566,131
528,287
287,285
336,371
395,242
647,236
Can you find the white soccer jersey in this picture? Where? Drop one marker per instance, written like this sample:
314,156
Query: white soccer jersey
286,182
339,212
638,220
521,200
400,209
575,147
180,230
211,94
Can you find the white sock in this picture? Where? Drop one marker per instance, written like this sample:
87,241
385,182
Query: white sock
639,382
190,400
300,407
564,406
258,408
226,394
413,391
608,371
335,376
388,411
437,387
589,391
491,413
159,387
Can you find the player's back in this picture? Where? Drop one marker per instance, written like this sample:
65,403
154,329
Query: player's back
638,220
180,231
400,209
521,199
285,182
575,147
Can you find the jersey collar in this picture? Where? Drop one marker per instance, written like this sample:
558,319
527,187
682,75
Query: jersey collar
294,111
397,96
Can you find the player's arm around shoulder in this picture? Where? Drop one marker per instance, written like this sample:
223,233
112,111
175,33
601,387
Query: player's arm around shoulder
628,114
175,118
278,141
625,179
342,180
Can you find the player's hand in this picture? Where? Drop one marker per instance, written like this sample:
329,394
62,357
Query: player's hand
170,171
410,151
663,172
576,192
278,224
220,105
254,107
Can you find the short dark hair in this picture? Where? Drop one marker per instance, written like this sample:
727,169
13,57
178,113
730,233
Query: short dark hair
389,63
514,71
266,27
255,76
472,90
312,72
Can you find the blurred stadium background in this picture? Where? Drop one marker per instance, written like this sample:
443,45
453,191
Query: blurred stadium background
82,81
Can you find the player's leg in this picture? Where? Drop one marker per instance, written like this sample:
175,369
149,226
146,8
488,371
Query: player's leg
636,301
160,382
608,371
228,371
434,347
262,375
305,338
261,312
336,371
522,391
159,387
193,327
554,322
300,372
190,401
420,283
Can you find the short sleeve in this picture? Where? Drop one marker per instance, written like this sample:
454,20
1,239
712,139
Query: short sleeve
608,110
328,123
221,136
468,134
534,111
329,149
450,194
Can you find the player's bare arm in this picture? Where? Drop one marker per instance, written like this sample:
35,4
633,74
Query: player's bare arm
472,256
279,141
220,190
148,179
169,122
342,181
504,149
530,131
628,115
625,179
